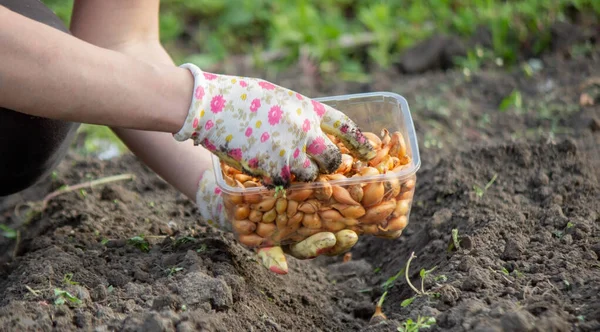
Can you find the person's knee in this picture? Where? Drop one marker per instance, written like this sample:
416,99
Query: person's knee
31,147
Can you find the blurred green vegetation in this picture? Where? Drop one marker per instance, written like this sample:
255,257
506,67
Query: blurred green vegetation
98,141
208,31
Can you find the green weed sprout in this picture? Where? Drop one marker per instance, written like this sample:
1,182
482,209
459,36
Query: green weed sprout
480,191
63,297
140,243
171,271
68,279
8,232
422,274
414,326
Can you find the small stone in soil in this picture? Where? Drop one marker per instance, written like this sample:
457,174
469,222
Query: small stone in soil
155,323
595,124
517,321
440,217
167,301
99,293
198,288
512,250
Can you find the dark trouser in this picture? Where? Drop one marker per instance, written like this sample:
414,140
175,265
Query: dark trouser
31,147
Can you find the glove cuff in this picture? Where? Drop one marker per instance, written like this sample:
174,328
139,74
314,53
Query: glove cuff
192,121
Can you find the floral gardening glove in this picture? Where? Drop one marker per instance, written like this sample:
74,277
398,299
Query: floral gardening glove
210,204
268,131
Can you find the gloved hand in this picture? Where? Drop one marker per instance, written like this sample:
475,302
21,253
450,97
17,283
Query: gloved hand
268,131
210,204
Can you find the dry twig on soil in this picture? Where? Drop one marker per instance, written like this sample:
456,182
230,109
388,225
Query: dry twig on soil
40,206
37,208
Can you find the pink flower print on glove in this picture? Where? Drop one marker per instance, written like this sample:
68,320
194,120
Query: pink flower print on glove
236,154
318,107
255,105
267,131
275,115
217,103
306,126
264,137
317,146
199,93
267,85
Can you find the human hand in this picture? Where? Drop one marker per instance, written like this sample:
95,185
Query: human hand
210,203
268,131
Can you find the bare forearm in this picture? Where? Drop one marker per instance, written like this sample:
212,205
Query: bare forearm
47,73
131,27
180,164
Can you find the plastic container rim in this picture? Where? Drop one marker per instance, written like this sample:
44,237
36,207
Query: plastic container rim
412,140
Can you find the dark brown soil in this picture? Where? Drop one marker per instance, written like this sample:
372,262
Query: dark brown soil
528,245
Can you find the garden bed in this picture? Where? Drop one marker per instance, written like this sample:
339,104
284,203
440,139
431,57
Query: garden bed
510,167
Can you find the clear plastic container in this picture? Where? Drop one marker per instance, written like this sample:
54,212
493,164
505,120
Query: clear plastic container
379,203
